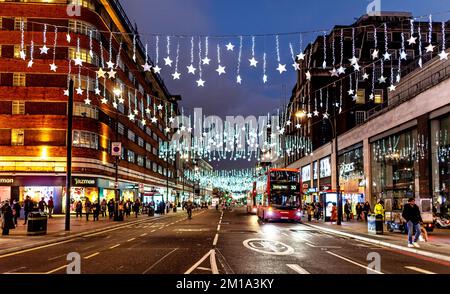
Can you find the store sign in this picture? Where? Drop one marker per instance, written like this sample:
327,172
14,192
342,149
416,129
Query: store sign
315,170
312,190
283,187
6,181
325,167
347,168
306,173
84,182
116,148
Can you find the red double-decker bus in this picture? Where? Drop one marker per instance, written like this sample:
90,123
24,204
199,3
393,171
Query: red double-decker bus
282,195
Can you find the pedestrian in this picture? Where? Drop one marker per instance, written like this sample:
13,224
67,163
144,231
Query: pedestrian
79,209
7,218
411,213
347,209
87,208
136,207
333,213
27,207
42,205
359,211
111,207
103,207
379,208
16,211
366,210
96,210
50,206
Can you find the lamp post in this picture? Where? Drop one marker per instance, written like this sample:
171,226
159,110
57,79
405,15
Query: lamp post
69,155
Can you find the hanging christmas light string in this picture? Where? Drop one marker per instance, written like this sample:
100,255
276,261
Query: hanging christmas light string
97,89
354,59
176,75
316,112
355,97
134,48
420,47
200,82
350,92
375,51
372,94
118,57
281,67
136,110
79,90
333,72
143,120
23,55
321,100
387,55
341,69
264,68
326,115
156,68
30,63
206,60
146,67
295,65
238,70
69,72
110,63
430,47
392,86
403,55
167,60
91,52
130,113
191,68
412,39
220,69
324,64
87,101
340,97
53,66
253,61
104,100
301,56
44,48
443,55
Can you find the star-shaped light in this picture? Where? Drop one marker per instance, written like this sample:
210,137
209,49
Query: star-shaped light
101,73
334,72
167,129
176,75
316,113
191,69
220,70
430,48
110,64
146,67
298,126
375,54
324,64
79,91
112,74
154,119
443,55
78,61
326,115
121,100
66,92
392,87
206,60
387,56
230,47
264,79
403,55
147,110
382,80
356,67
355,97
200,83
296,66
371,96
53,67
160,107
104,100
365,76
308,75
23,55
87,101
288,123
136,112
353,60
398,78
30,63
115,104
341,70
168,61
412,40
301,56
131,116
44,49
281,68
183,128
143,121
239,79
309,114
351,92
97,91
171,119
189,129
157,69
253,61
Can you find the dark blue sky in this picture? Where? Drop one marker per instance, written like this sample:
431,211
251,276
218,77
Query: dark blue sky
222,96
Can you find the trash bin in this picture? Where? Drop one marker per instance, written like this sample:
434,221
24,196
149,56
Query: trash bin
174,209
375,224
151,211
37,223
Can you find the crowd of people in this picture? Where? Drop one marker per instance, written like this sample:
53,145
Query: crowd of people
315,211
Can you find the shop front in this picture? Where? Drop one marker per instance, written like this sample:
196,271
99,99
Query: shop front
351,176
440,128
325,174
83,188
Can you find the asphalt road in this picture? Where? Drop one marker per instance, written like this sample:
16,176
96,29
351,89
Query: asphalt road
217,242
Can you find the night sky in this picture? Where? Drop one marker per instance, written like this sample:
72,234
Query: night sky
222,95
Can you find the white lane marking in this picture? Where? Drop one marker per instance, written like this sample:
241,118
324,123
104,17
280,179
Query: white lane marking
142,235
197,263
420,270
204,268
129,240
322,246
56,257
92,255
353,262
218,227
298,269
215,239
13,271
56,269
161,259
114,246
212,260
152,231
35,248
89,247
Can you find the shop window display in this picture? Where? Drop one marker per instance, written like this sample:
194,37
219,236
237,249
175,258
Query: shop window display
79,194
441,167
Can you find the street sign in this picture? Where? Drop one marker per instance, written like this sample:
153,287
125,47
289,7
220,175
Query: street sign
116,148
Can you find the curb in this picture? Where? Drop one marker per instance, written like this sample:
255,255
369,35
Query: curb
74,236
385,244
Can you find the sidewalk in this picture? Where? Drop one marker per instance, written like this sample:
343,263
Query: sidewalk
19,240
438,245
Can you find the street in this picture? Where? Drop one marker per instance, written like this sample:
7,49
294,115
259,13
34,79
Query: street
229,242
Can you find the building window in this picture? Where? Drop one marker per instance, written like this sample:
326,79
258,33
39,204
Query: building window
84,3
84,110
378,96
84,55
155,151
1,23
160,170
121,128
17,137
130,156
411,54
81,27
360,117
148,147
18,107
148,164
393,53
17,51
361,96
140,160
85,139
18,23
140,142
131,135
19,80
155,167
